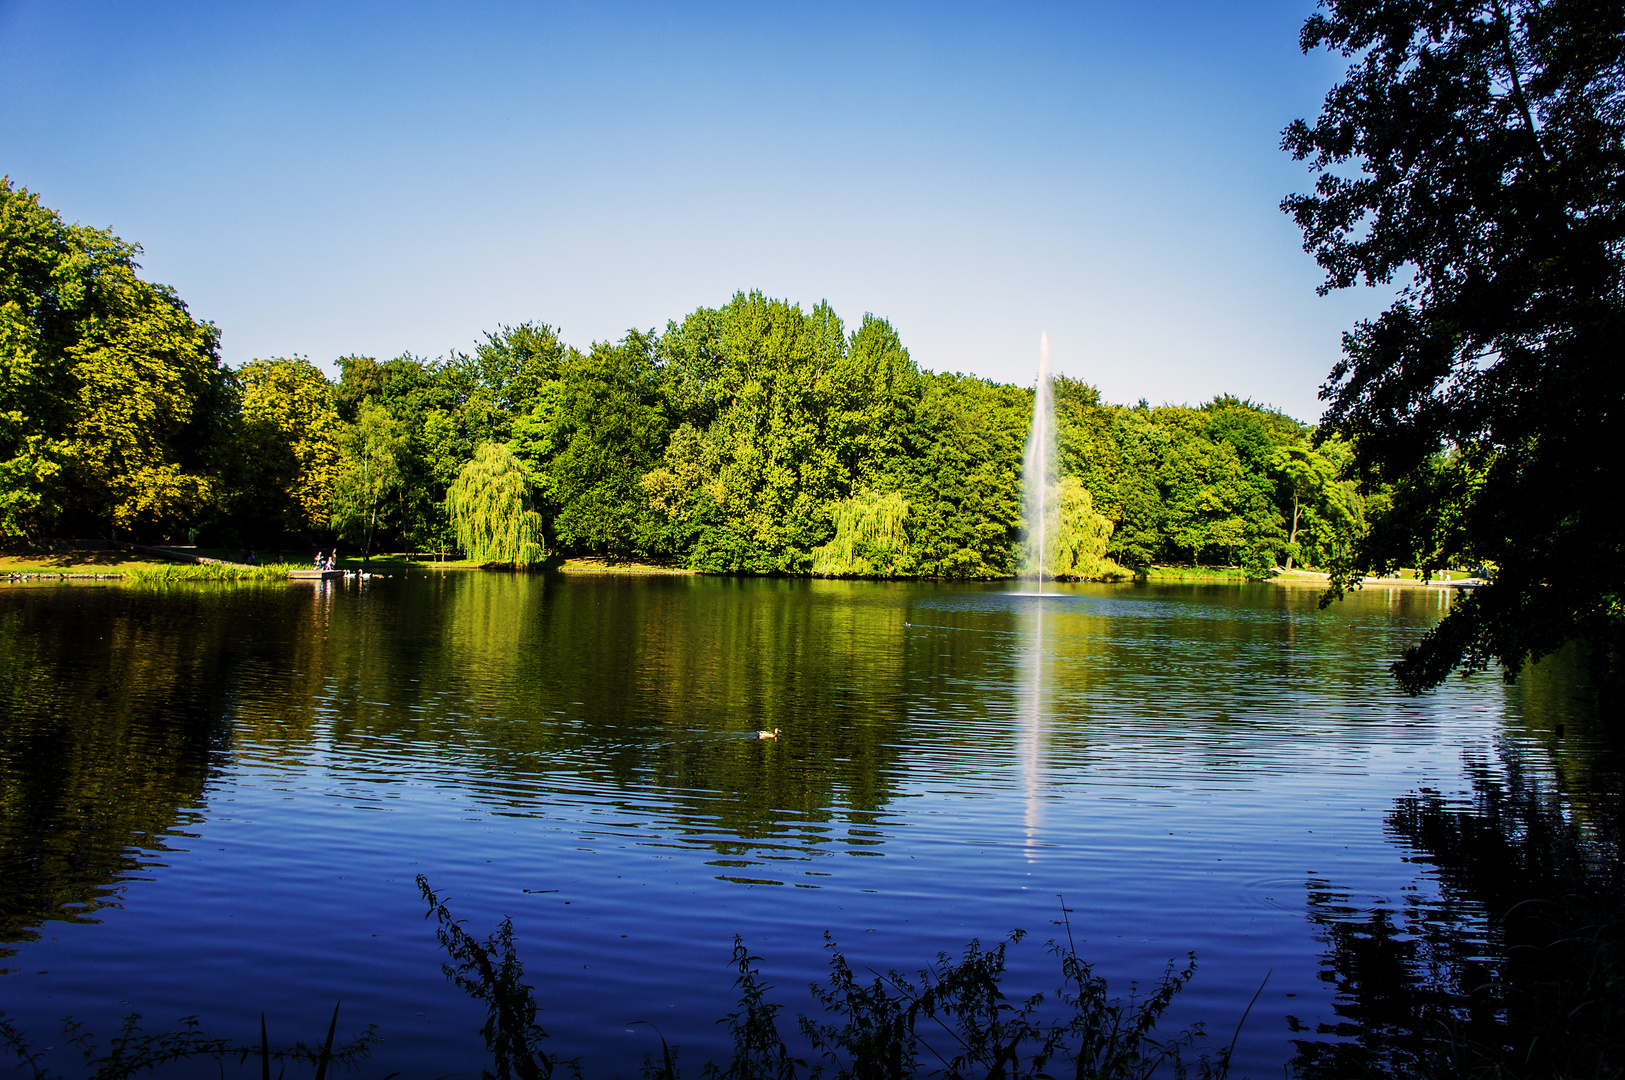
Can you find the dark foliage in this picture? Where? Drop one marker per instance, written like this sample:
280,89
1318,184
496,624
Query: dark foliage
490,971
1475,153
132,1050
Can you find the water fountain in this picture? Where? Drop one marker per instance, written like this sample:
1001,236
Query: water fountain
1037,467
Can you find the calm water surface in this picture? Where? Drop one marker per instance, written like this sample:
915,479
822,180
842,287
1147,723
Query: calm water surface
215,799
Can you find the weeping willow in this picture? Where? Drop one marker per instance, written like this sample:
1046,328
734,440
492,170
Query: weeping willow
871,537
1075,546
489,505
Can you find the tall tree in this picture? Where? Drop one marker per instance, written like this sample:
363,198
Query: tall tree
1315,497
874,388
373,450
1076,547
36,329
1475,152
960,471
110,391
423,398
755,381
500,381
290,442
589,438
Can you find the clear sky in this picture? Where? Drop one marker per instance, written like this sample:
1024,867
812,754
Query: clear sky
327,178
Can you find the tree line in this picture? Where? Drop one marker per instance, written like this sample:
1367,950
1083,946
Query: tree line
755,437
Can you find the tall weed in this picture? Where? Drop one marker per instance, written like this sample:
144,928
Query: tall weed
951,1020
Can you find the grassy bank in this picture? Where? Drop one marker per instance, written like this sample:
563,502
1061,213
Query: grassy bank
139,567
588,564
78,562
1222,574
595,565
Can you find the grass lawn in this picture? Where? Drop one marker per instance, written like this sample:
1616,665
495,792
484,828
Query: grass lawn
140,566
594,565
79,562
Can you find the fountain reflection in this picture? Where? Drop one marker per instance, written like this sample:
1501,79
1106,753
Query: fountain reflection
1032,731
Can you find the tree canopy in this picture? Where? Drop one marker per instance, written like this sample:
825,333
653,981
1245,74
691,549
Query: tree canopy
1474,154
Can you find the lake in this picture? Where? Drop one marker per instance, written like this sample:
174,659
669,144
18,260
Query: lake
216,798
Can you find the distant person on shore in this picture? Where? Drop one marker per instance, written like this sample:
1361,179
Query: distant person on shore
316,563
250,554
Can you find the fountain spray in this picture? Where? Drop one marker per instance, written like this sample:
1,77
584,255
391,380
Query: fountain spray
1037,465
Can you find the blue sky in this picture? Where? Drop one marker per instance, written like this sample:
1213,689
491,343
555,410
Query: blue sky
323,178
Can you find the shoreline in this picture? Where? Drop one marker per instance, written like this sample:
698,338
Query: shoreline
116,565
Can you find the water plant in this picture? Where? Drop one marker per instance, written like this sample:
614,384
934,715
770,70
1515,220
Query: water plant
951,1020
491,971
133,1050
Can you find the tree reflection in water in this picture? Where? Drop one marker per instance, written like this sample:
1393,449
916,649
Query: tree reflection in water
1515,969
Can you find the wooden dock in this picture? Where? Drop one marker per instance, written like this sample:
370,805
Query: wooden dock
315,575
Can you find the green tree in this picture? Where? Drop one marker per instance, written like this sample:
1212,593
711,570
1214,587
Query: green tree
1205,491
1142,513
589,438
430,402
756,379
1333,523
500,381
373,449
288,443
871,538
960,470
1322,508
1076,546
874,388
110,392
37,326
490,506
1475,152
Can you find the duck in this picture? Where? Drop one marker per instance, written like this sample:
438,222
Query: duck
768,734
